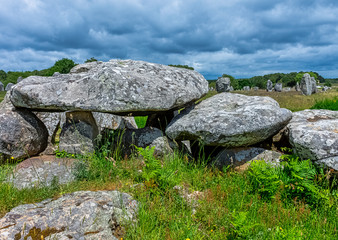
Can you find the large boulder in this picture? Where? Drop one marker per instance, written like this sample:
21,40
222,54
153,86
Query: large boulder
313,135
78,133
230,120
117,86
22,134
269,86
223,84
79,215
308,84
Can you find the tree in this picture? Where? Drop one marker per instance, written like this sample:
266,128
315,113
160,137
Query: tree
62,66
234,82
91,60
3,75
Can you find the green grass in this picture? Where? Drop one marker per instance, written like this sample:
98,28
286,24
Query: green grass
330,104
2,96
229,206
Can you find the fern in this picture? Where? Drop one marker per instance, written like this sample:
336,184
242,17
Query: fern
151,171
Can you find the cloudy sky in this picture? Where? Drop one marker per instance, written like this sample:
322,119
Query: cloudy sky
242,38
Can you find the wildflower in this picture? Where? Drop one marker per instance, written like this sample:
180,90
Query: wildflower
12,157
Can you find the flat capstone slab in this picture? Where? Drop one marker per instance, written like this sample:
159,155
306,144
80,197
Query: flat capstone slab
117,86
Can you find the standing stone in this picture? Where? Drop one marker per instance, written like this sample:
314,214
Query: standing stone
78,133
297,87
230,120
117,86
278,87
269,86
255,88
223,84
286,89
9,86
231,89
19,79
22,134
308,84
246,88
2,87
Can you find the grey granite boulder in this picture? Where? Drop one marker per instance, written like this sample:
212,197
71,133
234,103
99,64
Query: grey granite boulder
2,88
113,122
308,84
42,171
78,133
278,87
148,136
52,122
9,86
230,120
239,156
313,135
79,215
223,84
269,86
22,134
117,86
246,88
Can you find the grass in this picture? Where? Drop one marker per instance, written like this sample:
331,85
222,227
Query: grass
2,96
330,104
227,209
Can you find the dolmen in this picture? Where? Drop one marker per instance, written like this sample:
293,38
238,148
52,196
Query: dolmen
99,96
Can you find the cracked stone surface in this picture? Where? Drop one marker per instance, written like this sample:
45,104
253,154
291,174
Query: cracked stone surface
230,120
313,135
79,215
117,86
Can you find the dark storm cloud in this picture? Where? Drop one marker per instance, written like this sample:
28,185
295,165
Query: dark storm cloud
242,38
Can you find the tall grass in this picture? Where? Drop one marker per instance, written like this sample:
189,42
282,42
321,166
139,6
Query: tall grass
330,104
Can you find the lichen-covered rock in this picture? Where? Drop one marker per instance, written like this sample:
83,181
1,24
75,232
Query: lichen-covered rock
230,120
52,122
42,171
78,133
113,122
79,215
22,134
313,135
308,84
117,86
239,156
269,86
223,84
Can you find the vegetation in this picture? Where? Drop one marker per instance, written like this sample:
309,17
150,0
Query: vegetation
181,66
330,104
91,60
294,202
62,66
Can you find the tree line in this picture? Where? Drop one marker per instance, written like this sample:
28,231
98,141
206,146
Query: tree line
62,66
287,79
